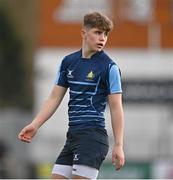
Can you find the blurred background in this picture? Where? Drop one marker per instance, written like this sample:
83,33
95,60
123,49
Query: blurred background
34,37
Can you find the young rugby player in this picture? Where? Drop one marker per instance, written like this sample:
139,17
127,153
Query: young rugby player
93,79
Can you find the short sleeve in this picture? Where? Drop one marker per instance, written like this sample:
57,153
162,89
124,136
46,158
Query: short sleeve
114,80
61,77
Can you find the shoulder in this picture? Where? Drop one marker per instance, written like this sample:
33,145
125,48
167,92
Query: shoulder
107,61
72,56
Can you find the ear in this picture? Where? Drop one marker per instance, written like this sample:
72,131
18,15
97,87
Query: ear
83,32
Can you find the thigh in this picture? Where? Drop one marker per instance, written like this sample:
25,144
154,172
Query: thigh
61,172
57,176
66,155
90,153
91,150
63,165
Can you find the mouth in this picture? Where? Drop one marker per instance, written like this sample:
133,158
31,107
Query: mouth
100,45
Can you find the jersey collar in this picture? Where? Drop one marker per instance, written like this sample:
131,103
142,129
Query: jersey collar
98,53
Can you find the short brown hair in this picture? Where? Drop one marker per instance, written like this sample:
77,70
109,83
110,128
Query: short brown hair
97,20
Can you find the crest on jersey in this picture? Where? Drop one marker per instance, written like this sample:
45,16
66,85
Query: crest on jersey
90,75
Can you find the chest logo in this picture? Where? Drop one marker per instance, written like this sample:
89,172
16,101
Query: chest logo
90,75
69,75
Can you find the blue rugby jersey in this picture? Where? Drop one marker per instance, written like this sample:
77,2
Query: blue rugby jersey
90,81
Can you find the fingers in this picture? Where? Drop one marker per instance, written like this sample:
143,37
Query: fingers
21,134
25,139
24,136
118,158
118,162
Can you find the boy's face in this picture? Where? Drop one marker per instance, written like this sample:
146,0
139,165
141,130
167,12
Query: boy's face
94,38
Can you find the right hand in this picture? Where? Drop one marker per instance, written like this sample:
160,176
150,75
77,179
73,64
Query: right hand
27,133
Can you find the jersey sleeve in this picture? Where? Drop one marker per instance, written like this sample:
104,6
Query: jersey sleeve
61,77
114,80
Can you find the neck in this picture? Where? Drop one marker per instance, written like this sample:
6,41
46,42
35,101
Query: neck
86,52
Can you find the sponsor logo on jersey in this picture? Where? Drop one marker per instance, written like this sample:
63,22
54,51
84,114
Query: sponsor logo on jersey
69,75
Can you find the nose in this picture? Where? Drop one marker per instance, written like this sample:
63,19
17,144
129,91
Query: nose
102,37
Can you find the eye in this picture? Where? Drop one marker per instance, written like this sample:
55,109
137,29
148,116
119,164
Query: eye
98,32
106,33
101,32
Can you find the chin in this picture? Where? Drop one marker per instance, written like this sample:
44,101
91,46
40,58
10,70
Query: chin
99,49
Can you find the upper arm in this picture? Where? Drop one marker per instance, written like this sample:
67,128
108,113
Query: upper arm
61,77
115,100
114,80
58,92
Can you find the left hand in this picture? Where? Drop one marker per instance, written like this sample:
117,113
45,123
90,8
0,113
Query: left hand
118,158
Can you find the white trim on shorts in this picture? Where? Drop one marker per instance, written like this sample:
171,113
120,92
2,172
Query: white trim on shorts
85,171
63,170
79,170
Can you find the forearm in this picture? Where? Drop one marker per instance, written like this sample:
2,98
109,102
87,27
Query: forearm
117,119
49,106
46,111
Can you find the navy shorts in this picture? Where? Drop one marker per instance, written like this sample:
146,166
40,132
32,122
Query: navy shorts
85,147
